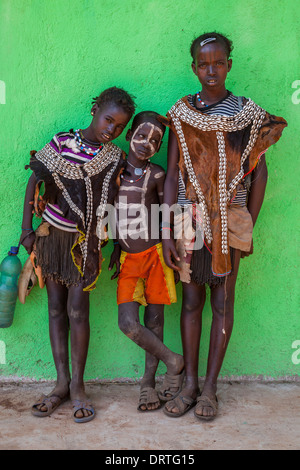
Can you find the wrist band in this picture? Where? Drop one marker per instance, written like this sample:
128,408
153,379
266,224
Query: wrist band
27,229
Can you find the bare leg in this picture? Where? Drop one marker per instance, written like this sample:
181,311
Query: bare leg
221,297
145,338
78,311
191,323
58,330
154,321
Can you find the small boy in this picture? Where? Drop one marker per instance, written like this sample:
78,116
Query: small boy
144,279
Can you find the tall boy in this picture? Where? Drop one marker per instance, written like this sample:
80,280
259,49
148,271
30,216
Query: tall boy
144,279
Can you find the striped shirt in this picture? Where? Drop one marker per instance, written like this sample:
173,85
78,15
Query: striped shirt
229,106
64,143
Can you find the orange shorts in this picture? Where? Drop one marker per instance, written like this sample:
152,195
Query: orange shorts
145,278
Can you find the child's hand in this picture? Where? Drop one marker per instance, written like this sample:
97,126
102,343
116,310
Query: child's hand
170,253
115,260
27,240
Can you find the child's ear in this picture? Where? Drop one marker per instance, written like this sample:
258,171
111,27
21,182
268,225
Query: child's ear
128,135
194,68
94,109
229,64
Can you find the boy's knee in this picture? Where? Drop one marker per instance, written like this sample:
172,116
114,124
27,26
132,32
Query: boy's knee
219,307
154,322
191,306
56,311
128,326
77,314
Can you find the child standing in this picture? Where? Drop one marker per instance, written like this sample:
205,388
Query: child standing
216,160
79,170
144,279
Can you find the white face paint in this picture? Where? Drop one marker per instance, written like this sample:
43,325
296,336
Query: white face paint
146,140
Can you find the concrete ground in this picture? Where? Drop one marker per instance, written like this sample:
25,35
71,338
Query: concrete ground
252,415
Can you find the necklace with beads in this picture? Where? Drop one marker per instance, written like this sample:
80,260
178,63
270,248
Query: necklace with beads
137,170
200,100
135,181
83,147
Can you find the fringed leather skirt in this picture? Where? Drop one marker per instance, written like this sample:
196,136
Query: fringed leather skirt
53,252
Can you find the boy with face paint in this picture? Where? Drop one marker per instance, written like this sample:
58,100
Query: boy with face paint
143,277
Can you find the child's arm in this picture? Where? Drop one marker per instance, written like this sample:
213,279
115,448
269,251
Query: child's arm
257,193
170,196
28,237
115,260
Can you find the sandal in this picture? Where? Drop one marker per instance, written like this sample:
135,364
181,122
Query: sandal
205,402
52,402
83,405
148,395
184,404
171,382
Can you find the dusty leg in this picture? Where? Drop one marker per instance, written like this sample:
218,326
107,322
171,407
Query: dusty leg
191,322
220,296
145,338
154,321
78,311
58,330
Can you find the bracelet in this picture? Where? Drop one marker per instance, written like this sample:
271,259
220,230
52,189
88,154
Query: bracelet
116,243
166,228
27,235
27,229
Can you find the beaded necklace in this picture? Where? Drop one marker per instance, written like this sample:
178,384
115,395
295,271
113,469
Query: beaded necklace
135,181
83,147
138,171
200,100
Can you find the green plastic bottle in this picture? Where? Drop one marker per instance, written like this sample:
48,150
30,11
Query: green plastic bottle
10,269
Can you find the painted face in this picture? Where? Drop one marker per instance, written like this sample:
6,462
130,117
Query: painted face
108,123
211,65
146,140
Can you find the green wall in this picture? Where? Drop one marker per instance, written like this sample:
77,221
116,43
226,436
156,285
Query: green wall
55,57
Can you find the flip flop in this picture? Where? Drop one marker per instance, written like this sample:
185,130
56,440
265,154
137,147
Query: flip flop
52,402
83,405
204,401
171,381
148,395
184,404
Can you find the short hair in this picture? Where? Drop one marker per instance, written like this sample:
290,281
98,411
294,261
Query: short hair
143,116
118,96
220,39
